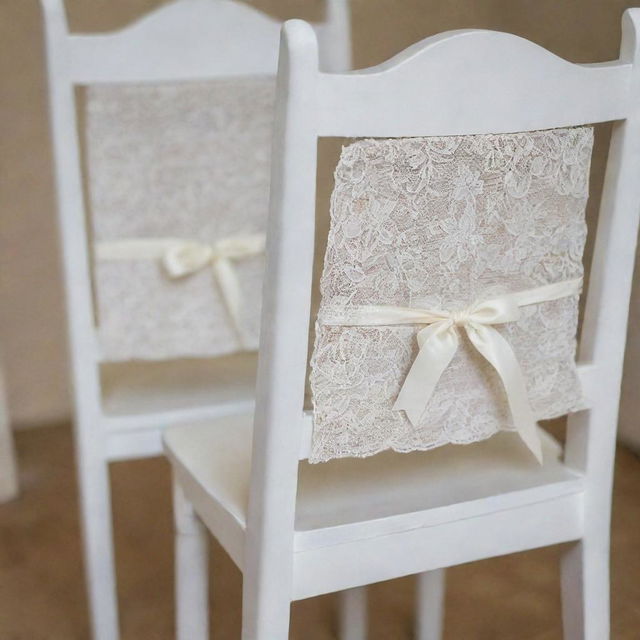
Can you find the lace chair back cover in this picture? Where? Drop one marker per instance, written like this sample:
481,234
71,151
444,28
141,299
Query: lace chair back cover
440,223
188,161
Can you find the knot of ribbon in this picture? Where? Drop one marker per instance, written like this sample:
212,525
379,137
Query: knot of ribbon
439,339
181,258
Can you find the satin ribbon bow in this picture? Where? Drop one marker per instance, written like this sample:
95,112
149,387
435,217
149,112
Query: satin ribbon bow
438,342
184,257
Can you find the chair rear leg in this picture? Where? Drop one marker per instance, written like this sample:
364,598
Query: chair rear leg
191,571
585,590
97,529
430,591
353,614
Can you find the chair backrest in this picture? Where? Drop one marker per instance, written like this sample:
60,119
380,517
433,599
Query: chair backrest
178,169
185,40
457,83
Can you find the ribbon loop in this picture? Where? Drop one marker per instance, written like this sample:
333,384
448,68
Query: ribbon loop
438,342
496,311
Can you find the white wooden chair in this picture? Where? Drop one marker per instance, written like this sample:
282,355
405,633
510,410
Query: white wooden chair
120,408
299,530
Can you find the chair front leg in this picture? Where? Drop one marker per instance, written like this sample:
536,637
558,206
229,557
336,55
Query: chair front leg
353,614
191,570
97,528
585,589
430,590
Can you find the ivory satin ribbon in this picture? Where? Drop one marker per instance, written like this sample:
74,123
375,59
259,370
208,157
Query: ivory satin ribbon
438,342
184,257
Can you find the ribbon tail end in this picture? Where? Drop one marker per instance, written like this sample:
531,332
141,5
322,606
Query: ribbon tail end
413,415
534,445
538,456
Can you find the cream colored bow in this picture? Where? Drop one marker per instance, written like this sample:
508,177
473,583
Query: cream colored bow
184,257
439,340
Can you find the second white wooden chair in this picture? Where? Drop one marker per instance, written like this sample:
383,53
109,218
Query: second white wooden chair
181,59
299,530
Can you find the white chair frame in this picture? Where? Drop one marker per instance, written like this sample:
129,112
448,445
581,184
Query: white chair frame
182,40
457,83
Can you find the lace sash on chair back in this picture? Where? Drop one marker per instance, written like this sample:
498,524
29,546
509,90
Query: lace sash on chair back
179,188
449,224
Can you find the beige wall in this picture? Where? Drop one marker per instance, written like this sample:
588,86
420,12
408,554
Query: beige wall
31,314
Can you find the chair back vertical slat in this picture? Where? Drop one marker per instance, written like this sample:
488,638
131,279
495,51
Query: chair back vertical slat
591,435
72,225
284,331
334,37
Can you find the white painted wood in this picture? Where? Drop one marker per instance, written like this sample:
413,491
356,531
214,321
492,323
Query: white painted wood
589,378
283,342
148,422
97,536
591,435
368,560
184,40
8,467
352,624
134,444
95,501
191,571
306,434
313,529
143,388
350,500
334,36
430,593
454,83
122,417
193,39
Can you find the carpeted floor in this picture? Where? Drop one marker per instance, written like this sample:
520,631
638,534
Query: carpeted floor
41,581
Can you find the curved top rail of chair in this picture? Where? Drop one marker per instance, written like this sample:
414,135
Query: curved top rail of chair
185,39
470,81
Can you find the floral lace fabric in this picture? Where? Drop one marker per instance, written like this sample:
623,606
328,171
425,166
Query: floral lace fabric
440,223
188,161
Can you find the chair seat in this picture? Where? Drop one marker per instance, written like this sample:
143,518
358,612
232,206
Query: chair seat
349,499
145,387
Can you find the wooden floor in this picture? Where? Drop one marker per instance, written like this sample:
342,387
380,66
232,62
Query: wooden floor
41,582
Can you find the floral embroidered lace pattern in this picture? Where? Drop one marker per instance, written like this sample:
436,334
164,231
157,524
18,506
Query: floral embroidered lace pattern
188,161
440,223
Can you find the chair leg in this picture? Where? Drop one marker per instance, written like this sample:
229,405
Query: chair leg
266,600
191,571
430,591
8,470
353,614
97,526
585,590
